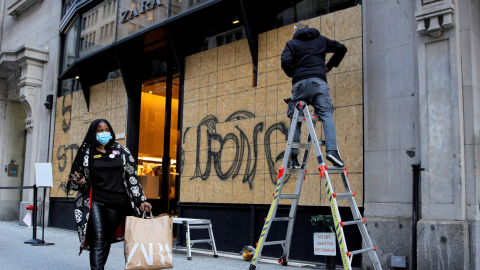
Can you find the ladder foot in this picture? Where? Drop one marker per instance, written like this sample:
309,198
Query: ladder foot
282,261
215,256
189,258
252,267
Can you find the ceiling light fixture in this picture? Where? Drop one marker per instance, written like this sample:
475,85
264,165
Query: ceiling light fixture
77,77
236,21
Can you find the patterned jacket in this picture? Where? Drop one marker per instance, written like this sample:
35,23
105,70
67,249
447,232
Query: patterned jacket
83,199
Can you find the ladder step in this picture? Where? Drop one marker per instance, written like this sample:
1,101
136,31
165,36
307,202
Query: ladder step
199,227
306,145
301,145
346,223
289,196
294,171
343,195
282,219
360,251
303,119
281,242
201,241
335,169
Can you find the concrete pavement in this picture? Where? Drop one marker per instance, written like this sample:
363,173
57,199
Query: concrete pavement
15,255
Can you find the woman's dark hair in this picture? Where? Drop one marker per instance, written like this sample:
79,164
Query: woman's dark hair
90,143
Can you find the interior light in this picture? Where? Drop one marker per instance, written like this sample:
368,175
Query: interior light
236,21
150,92
150,159
76,77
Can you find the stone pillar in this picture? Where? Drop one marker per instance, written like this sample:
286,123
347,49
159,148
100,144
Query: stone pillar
443,233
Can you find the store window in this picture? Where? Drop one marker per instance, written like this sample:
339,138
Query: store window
69,86
136,15
69,46
98,27
179,6
307,9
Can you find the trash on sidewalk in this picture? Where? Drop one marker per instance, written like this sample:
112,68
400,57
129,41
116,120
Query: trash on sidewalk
247,253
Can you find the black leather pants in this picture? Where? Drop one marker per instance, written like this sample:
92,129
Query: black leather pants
103,224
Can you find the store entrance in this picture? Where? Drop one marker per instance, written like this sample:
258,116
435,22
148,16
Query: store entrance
159,140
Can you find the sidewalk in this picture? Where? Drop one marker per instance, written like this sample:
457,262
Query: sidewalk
15,255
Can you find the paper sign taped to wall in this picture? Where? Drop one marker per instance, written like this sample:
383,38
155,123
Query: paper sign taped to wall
43,174
324,244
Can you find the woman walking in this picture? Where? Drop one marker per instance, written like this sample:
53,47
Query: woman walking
104,174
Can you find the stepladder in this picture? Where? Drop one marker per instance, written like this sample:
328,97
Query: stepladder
196,224
302,114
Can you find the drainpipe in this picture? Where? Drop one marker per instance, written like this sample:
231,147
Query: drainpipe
416,169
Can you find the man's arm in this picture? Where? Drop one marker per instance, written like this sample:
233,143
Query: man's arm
338,49
287,61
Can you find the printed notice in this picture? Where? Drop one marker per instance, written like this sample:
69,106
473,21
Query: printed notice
324,244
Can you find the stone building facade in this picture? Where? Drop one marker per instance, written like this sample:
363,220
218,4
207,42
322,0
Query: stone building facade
407,92
28,62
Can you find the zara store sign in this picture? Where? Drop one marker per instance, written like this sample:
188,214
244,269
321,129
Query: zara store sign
130,14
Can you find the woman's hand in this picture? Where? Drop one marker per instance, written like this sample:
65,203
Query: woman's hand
79,179
146,207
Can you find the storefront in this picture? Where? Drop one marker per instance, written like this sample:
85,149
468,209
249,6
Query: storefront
195,90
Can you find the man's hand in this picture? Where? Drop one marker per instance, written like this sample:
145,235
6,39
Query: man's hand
79,179
146,207
328,70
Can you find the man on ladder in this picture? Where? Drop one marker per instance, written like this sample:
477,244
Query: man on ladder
303,59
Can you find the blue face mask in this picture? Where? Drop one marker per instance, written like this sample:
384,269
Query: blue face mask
104,137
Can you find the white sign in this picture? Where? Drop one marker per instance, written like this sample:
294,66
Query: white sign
324,244
43,174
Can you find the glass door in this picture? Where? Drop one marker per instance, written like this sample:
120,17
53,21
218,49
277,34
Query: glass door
152,136
159,140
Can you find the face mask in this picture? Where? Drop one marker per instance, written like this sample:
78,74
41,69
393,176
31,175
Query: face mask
104,137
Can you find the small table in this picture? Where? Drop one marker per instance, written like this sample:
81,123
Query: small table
194,224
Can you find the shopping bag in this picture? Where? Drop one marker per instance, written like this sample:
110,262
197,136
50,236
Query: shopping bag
148,242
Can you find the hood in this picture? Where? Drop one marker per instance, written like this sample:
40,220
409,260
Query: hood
306,34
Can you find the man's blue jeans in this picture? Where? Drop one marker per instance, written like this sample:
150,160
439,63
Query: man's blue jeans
315,92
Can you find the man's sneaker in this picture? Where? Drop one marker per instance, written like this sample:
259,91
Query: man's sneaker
294,162
335,158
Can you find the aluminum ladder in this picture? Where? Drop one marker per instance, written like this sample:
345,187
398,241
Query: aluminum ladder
302,114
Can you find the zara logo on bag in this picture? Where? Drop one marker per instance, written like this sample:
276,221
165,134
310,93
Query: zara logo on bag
138,257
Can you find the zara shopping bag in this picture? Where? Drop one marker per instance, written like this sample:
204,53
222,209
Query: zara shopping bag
148,242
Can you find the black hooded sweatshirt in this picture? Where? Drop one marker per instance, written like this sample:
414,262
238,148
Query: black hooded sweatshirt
304,55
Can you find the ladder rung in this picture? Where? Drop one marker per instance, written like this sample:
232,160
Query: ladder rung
282,219
201,241
294,171
199,227
343,195
360,251
300,119
301,145
289,196
281,242
335,169
346,223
